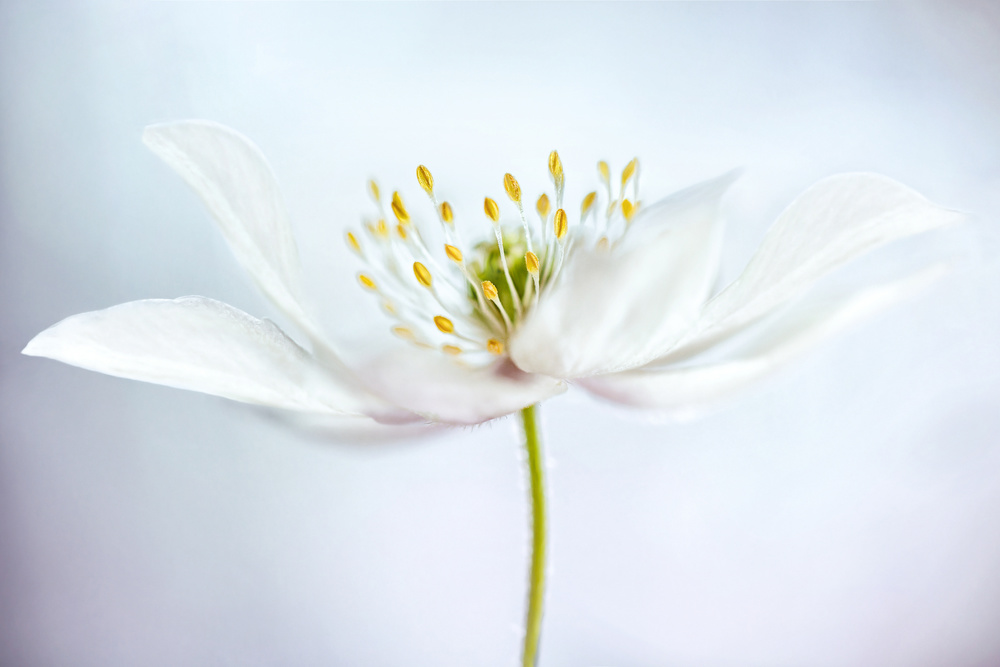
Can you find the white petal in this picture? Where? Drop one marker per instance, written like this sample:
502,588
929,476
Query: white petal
443,389
235,182
609,311
833,222
204,345
687,391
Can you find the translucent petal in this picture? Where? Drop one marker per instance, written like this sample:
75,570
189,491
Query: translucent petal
833,222
444,389
689,390
611,310
205,345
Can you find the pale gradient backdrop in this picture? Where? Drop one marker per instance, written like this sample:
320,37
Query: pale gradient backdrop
845,513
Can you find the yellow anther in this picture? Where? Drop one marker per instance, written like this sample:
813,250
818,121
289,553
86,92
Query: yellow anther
543,206
352,241
399,210
604,171
451,349
454,254
512,188
560,224
555,167
382,229
422,274
425,179
401,230
603,244
389,308
531,262
443,324
494,346
446,213
588,202
373,189
492,210
489,290
403,332
629,171
366,282
628,210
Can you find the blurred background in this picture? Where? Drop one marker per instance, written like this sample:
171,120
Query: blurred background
847,512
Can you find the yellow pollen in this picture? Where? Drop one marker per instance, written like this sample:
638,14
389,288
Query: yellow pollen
443,324
446,213
422,274
373,189
398,209
629,171
628,210
451,349
352,241
604,171
425,179
403,332
555,167
489,290
512,188
366,282
560,224
588,202
494,346
454,254
492,210
531,262
543,206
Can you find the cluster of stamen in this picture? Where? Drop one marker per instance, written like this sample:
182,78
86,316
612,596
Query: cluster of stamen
471,301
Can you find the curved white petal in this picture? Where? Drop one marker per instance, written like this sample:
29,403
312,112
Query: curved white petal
686,391
610,310
444,389
833,222
236,183
208,346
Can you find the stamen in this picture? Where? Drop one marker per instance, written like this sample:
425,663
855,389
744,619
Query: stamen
492,210
401,230
605,172
494,346
510,184
558,177
454,254
425,179
399,210
366,282
446,213
422,274
493,213
373,189
443,324
531,262
560,224
627,173
628,210
403,332
352,241
490,290
543,207
451,349
588,203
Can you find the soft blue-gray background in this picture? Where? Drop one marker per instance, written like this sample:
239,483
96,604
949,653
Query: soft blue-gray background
845,513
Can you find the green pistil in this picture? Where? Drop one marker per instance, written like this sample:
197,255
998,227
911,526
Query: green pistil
487,266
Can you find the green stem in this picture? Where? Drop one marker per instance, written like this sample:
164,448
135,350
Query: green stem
536,592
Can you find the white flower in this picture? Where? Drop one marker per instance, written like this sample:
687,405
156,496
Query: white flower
618,301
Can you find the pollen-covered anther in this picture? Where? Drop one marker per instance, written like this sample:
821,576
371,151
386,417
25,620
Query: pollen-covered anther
446,213
366,282
494,346
588,203
352,242
422,274
531,263
560,224
399,210
403,332
490,290
453,350
605,172
443,324
492,210
628,171
425,179
556,168
401,230
511,186
543,206
453,253
382,229
628,210
373,190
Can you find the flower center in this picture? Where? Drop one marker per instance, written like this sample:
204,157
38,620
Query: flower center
463,305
